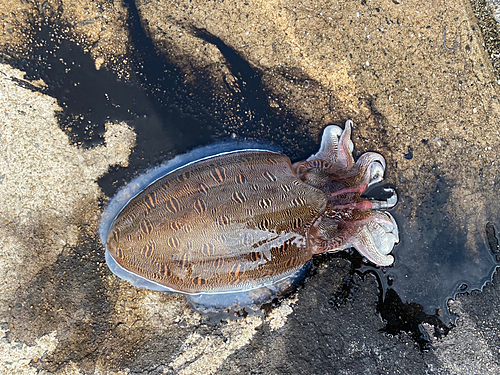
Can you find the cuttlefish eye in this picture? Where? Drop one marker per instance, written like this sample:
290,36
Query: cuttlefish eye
376,173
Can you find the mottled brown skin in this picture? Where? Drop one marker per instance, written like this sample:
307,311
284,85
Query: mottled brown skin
231,222
247,219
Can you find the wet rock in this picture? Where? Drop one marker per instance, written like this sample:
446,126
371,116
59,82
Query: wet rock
404,72
386,65
99,26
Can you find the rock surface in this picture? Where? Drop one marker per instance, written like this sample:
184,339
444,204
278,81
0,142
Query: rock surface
417,81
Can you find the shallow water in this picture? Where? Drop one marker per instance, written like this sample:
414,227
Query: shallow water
170,118
432,263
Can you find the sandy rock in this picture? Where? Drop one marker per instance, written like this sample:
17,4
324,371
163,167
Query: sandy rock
415,79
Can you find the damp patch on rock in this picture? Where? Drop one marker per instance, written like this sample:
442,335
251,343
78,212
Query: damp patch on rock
433,263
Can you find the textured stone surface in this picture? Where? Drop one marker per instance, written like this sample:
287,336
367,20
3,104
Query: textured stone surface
382,63
99,26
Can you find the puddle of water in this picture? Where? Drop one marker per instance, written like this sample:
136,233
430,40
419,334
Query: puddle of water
432,263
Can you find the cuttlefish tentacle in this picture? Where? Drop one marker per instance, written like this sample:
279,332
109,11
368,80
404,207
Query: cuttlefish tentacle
372,167
329,145
370,171
374,244
374,237
336,147
345,158
388,203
